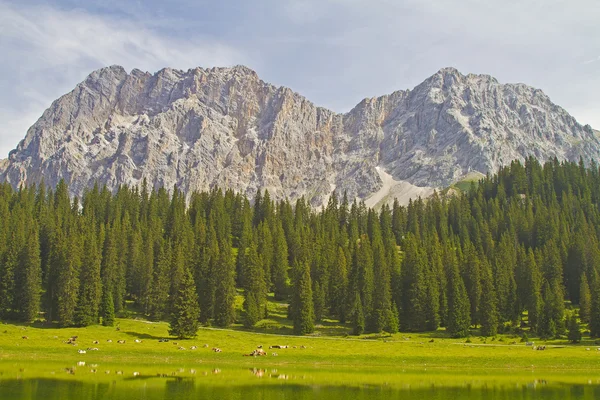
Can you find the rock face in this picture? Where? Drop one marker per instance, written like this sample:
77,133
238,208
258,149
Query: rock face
225,127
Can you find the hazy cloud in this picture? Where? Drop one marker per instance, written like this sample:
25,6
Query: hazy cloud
335,52
46,51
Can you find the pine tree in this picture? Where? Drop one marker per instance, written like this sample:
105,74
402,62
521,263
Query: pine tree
472,278
224,308
28,293
108,308
414,287
488,311
280,264
382,296
574,330
585,300
185,311
339,285
595,311
358,317
255,295
458,301
87,312
303,303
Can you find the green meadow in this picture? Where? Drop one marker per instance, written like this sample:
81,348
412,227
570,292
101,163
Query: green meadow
390,360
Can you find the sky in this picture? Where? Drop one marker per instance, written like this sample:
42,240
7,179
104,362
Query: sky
334,52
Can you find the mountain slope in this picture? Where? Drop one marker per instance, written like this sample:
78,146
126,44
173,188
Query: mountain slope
225,127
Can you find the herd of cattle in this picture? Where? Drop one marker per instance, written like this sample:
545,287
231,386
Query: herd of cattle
255,353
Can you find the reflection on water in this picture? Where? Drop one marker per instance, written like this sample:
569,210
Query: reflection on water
177,388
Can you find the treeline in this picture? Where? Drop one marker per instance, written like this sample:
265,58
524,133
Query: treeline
519,249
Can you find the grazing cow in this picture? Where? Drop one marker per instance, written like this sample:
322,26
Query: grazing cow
587,349
216,350
81,351
107,372
136,374
181,348
93,371
175,343
192,371
109,341
257,353
205,345
302,347
193,348
81,364
95,342
119,372
216,371
121,341
25,337
274,354
259,346
137,341
93,349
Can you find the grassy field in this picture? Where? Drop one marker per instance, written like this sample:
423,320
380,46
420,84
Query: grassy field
372,360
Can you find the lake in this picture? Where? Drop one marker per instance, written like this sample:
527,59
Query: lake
264,384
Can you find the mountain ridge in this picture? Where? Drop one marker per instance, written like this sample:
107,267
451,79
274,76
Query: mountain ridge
224,126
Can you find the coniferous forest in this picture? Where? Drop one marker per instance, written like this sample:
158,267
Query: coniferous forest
520,249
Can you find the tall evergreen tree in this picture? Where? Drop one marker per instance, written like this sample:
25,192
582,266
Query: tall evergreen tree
108,308
90,286
185,311
488,311
28,289
303,303
585,299
255,295
458,300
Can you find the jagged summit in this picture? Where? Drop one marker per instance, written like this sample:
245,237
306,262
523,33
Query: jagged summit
226,127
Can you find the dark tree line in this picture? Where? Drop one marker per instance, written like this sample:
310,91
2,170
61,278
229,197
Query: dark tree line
513,251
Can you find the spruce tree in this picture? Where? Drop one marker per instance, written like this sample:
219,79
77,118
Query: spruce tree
255,295
585,300
224,307
488,311
358,317
108,308
595,311
87,312
339,285
574,334
28,294
303,303
459,319
185,311
414,287
280,264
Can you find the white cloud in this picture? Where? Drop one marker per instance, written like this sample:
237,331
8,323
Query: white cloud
47,51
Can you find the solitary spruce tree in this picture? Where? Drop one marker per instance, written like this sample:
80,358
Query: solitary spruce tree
185,312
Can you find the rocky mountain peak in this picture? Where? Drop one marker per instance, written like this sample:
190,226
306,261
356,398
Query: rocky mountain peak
226,127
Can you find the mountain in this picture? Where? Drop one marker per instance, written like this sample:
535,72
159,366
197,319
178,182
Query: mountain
226,127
